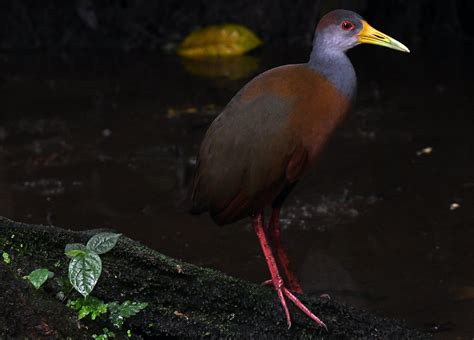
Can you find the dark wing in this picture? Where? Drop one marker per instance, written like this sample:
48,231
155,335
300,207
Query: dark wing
244,157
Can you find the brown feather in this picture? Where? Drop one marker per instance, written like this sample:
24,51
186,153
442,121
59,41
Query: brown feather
297,164
266,137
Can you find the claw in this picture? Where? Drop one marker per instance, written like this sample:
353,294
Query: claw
303,308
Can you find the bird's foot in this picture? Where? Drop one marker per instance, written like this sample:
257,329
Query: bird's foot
278,285
277,281
295,288
282,291
303,308
324,296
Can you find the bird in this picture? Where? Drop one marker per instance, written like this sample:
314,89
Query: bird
272,132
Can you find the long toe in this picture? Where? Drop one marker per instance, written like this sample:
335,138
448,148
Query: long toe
279,289
303,308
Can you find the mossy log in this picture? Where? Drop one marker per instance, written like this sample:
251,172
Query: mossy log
184,300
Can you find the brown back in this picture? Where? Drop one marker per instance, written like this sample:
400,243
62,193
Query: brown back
264,139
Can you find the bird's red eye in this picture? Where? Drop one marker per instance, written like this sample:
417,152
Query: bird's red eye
347,25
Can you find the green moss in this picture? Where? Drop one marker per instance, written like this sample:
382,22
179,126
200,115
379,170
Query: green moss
213,303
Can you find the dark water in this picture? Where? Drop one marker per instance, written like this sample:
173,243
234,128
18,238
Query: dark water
110,140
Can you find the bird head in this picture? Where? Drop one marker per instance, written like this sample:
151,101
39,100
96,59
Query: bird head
341,30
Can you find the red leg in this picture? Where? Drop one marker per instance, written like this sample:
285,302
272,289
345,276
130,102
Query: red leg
267,251
276,278
275,232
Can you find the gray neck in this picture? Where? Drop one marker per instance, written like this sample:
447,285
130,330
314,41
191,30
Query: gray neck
335,66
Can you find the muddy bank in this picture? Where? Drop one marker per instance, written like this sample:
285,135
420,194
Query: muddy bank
184,300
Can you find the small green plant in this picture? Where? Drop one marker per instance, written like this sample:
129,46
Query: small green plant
106,334
88,306
39,276
6,258
94,307
85,266
120,312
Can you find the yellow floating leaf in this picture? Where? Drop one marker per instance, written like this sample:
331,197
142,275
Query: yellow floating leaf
219,40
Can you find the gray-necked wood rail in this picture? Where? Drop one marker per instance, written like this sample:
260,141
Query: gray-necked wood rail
272,132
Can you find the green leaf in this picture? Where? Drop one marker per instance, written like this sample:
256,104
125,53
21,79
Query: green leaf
74,253
88,306
103,242
218,41
39,276
105,335
120,312
84,272
6,257
75,249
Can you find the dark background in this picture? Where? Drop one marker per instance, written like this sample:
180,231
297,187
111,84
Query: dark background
100,124
151,25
